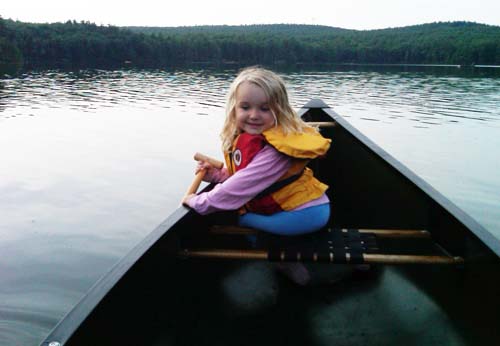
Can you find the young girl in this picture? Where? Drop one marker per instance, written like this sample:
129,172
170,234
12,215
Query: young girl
266,148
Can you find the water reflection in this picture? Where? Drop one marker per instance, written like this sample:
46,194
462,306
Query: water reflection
420,95
88,91
34,301
415,96
92,160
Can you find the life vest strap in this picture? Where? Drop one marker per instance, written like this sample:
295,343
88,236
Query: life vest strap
279,185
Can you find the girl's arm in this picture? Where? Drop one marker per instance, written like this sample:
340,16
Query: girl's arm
265,169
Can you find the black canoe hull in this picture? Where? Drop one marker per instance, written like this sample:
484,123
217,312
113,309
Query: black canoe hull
152,297
371,189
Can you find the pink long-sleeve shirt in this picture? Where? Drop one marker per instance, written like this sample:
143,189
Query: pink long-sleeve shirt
267,166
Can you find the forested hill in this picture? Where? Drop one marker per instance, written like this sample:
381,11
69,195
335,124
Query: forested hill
462,43
288,30
86,44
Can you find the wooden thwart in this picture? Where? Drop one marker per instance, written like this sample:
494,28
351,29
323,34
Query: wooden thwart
367,258
397,233
352,246
388,233
322,124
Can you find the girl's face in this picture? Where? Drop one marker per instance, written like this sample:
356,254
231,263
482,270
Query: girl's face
253,113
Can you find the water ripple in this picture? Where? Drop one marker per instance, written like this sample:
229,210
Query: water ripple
409,95
89,90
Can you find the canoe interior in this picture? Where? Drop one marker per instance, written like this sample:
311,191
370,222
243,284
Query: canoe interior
166,300
369,192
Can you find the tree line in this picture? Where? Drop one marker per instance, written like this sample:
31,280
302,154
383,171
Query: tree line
85,44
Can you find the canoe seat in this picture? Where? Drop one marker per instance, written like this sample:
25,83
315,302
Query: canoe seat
333,245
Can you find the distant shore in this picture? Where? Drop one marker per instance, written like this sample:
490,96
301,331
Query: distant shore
87,45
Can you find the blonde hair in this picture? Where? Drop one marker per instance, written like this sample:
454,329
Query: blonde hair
275,90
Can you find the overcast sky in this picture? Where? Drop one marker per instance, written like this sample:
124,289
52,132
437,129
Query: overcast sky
349,14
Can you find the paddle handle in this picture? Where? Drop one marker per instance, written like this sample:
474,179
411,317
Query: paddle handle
201,174
196,182
213,162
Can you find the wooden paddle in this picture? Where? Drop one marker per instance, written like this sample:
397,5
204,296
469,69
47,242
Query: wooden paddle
199,176
213,162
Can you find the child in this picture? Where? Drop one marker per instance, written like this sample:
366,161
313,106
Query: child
266,148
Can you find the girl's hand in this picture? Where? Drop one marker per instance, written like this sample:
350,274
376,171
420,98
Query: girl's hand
202,165
186,199
212,174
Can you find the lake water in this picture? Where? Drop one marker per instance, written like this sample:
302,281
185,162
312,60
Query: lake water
92,161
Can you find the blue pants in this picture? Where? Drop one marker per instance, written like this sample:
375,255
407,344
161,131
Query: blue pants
293,222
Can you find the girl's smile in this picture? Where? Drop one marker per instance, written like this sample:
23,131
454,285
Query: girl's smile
253,113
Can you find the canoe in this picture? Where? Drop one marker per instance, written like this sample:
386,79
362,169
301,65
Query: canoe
195,280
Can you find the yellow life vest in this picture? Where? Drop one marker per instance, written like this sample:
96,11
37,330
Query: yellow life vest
302,147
